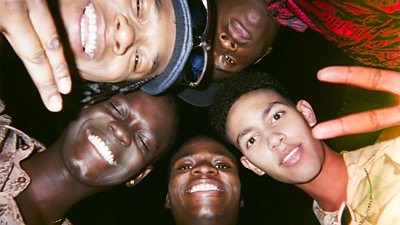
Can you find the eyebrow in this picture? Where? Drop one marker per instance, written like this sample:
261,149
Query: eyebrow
265,112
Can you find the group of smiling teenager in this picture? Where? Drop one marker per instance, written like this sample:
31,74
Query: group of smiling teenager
119,45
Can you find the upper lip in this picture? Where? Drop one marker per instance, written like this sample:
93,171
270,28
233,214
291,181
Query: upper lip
204,185
286,152
238,32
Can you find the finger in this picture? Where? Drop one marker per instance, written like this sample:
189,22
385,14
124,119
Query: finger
358,123
369,78
29,49
45,28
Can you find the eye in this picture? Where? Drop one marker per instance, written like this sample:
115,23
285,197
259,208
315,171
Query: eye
142,141
185,167
229,59
250,142
221,166
277,116
118,110
138,5
137,59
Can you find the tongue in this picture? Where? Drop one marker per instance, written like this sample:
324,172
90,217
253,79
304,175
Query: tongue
238,32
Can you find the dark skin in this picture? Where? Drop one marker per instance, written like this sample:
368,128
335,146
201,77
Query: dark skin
135,141
204,186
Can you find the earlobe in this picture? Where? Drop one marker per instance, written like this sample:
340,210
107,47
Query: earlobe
138,178
246,163
167,202
305,108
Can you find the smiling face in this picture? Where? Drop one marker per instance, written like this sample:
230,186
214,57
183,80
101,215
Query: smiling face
114,140
204,183
121,40
244,33
275,137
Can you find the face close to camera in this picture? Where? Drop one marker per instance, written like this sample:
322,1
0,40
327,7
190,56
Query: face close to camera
204,181
121,40
115,140
275,137
244,33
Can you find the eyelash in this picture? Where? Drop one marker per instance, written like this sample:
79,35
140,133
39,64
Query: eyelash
141,141
138,5
119,110
280,114
251,139
137,59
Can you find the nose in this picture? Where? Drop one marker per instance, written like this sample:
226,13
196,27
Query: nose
124,35
227,42
275,140
121,133
204,169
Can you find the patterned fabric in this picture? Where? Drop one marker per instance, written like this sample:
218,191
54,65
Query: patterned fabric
367,30
382,161
14,147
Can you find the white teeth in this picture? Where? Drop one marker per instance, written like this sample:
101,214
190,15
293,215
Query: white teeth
203,187
89,22
102,148
290,154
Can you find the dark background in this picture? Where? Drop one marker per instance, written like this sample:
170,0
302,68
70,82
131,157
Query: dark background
295,60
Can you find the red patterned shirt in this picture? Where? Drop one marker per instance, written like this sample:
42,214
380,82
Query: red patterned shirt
366,30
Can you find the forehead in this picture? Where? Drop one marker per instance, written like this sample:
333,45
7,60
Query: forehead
254,101
203,147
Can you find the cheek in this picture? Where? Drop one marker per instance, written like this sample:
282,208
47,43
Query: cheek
114,70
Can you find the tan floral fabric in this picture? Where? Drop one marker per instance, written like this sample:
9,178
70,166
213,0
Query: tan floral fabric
382,163
14,147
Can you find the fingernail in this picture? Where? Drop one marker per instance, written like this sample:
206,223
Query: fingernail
55,103
326,73
64,85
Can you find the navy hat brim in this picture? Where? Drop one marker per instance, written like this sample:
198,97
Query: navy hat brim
182,48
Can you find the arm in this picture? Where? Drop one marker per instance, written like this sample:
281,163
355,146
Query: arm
31,31
369,78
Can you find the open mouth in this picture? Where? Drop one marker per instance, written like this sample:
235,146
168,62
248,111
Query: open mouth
89,30
204,188
292,157
102,149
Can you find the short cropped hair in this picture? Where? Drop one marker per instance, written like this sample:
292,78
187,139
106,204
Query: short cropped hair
233,88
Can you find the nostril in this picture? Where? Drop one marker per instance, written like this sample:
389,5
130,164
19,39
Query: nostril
223,37
117,45
118,25
233,45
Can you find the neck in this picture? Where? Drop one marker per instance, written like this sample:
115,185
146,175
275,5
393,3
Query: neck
52,188
329,188
226,218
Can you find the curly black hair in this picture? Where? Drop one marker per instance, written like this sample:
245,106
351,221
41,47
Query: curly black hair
234,87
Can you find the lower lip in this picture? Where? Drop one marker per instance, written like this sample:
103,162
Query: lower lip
294,159
207,193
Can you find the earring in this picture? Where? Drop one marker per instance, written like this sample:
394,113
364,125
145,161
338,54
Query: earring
130,183
269,50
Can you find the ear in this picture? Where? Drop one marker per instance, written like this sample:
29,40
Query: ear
167,202
138,178
269,50
305,108
246,163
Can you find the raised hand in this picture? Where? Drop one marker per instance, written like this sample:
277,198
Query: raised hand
369,78
29,27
